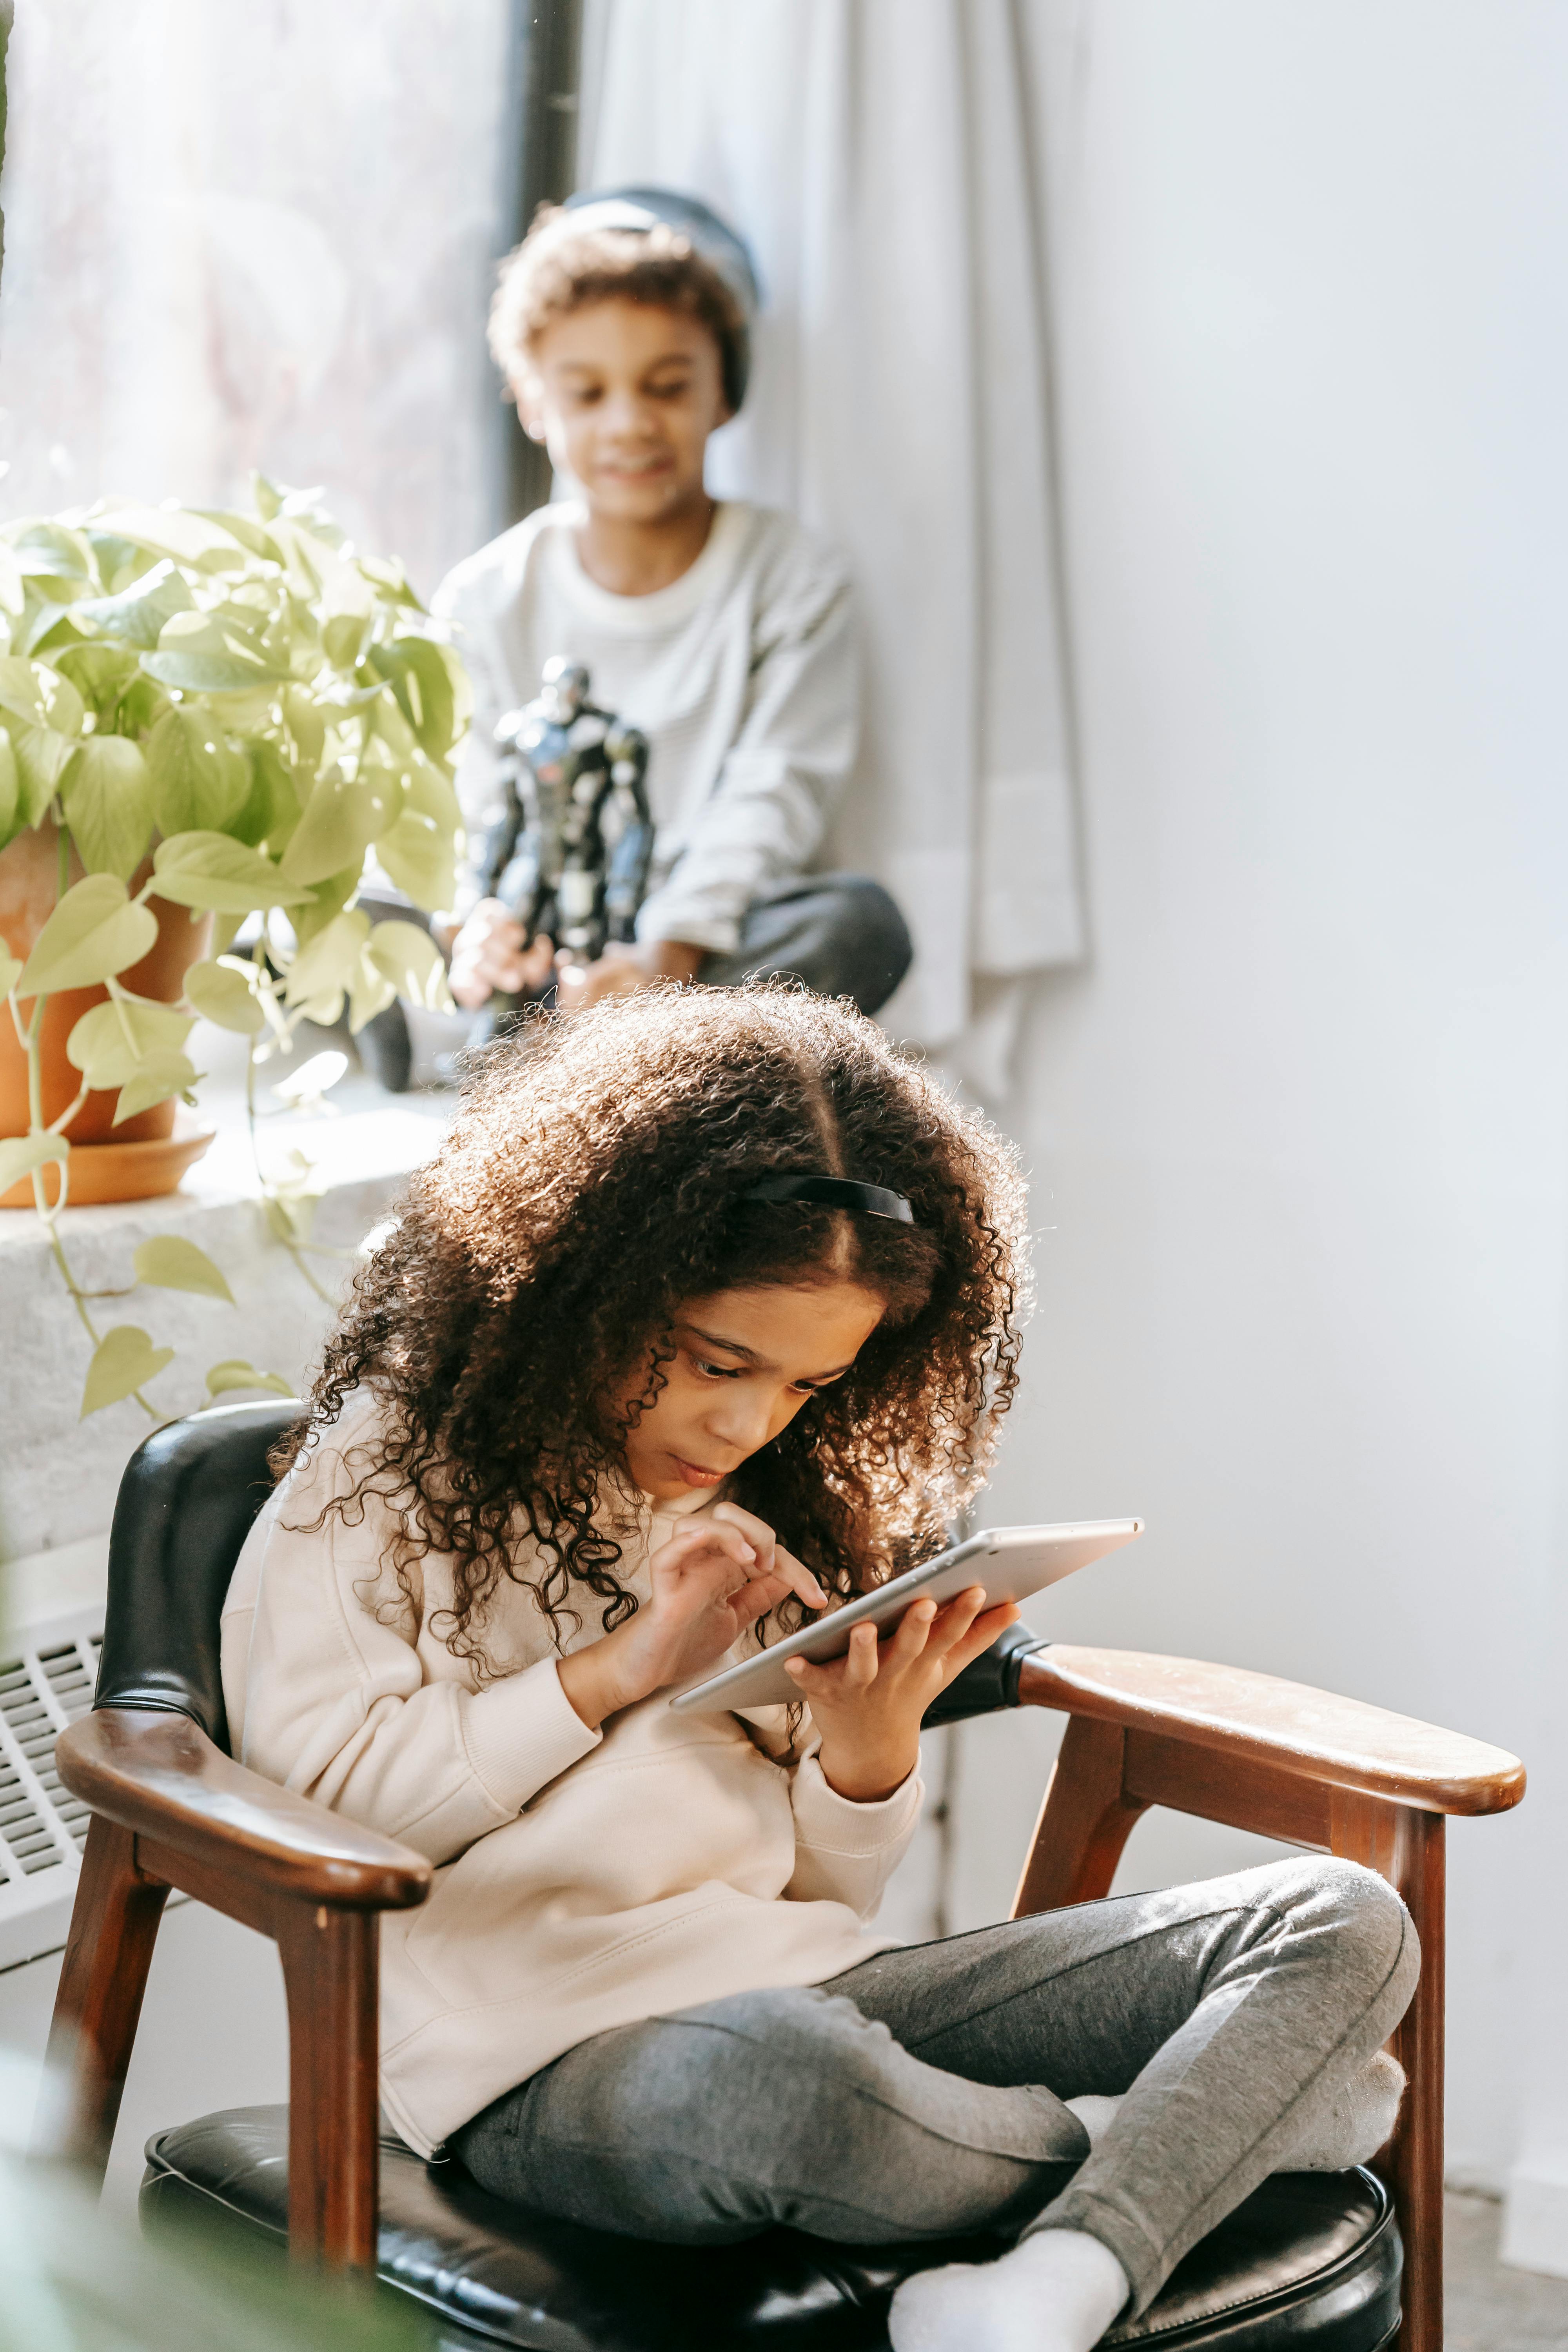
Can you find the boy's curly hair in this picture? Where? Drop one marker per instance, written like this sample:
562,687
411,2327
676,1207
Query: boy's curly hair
553,272
590,1185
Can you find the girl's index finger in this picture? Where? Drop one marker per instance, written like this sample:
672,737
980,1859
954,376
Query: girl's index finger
704,1536
799,1579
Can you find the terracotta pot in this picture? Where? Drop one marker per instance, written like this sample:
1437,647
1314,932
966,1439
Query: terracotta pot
28,871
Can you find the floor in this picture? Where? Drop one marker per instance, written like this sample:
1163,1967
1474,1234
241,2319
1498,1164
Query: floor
1490,2309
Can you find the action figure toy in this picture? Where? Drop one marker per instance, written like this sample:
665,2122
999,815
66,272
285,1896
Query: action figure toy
568,854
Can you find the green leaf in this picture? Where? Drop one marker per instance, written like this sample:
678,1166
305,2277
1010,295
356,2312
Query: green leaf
41,756
140,708
340,821
370,993
39,623
13,595
204,673
411,961
245,528
52,547
94,932
291,1201
161,1076
236,1373
342,639
431,686
136,616
99,674
306,720
327,898
224,992
388,578
112,1042
419,858
20,1154
10,970
32,691
267,501
326,965
271,811
171,1263
12,817
199,779
209,869
123,1360
189,538
108,804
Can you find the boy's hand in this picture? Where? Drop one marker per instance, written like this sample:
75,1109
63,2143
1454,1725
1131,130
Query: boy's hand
714,1578
623,968
488,954
868,1705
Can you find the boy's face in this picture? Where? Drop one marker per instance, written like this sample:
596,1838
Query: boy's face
625,397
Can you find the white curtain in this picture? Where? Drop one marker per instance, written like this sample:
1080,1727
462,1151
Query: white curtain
874,154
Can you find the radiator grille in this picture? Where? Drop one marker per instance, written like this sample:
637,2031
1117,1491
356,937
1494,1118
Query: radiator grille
46,1683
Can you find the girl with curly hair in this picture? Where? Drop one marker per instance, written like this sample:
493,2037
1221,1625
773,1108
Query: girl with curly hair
645,1373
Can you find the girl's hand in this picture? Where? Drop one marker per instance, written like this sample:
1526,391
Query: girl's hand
714,1578
868,1705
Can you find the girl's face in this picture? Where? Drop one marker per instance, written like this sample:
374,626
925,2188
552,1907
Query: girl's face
745,1362
625,397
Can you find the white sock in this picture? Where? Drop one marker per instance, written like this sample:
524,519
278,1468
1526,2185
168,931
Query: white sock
1360,2122
1057,2290
1095,2113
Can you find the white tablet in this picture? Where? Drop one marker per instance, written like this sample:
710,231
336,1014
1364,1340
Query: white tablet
1010,1563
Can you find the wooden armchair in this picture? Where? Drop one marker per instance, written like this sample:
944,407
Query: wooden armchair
1310,2259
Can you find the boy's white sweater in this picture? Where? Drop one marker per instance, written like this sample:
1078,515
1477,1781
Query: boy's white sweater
583,1879
742,674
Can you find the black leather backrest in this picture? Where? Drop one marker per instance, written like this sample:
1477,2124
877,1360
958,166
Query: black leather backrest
186,1503
992,1682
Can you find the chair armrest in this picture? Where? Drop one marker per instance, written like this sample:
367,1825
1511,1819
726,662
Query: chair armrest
1256,1719
158,1775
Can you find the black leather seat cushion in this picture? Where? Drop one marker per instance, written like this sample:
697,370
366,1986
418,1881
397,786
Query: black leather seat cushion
1311,2260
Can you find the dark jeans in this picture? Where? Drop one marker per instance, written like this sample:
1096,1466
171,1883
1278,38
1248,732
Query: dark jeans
839,933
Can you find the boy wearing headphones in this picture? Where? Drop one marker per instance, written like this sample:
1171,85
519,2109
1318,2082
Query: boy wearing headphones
722,630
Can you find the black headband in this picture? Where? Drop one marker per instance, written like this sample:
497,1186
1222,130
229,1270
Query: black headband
834,1193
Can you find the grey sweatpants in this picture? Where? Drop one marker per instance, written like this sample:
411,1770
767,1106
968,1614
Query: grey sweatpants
841,933
920,2094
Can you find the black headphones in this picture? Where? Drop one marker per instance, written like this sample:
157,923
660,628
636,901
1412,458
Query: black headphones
834,1193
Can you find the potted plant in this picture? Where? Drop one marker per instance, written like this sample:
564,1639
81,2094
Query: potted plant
204,718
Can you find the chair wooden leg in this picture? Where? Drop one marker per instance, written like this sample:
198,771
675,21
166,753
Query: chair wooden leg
114,1924
1084,1821
330,1973
1407,1848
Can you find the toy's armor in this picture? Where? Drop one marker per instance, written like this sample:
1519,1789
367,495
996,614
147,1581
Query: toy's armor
568,854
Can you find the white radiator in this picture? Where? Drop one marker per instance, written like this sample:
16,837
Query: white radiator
47,1677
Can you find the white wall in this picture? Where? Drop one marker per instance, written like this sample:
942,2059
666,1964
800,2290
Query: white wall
1298,1133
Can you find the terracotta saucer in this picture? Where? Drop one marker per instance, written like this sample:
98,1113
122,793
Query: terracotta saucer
117,1172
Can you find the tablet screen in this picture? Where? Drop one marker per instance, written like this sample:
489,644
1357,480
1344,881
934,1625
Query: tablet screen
1010,1563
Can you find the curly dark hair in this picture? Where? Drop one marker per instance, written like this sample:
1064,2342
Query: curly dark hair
589,1185
552,273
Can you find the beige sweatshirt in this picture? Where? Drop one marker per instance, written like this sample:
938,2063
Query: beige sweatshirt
584,1879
